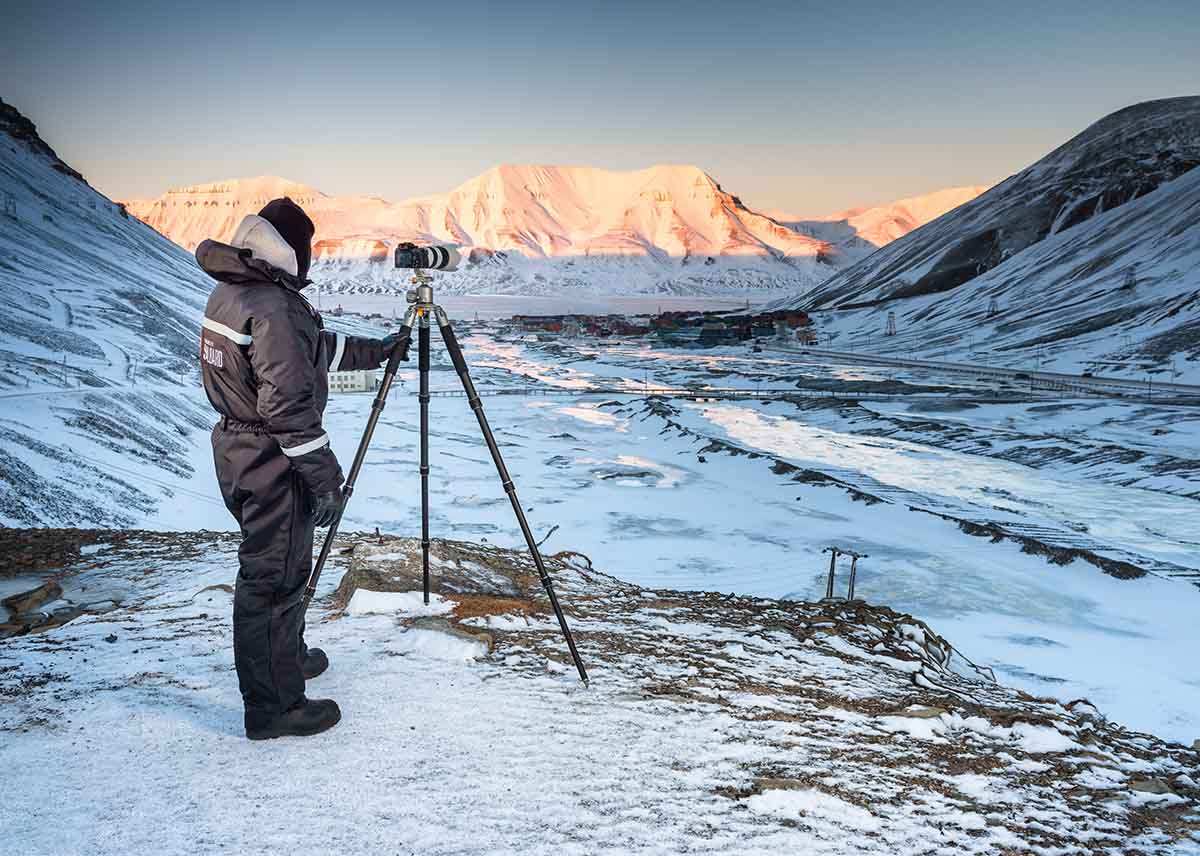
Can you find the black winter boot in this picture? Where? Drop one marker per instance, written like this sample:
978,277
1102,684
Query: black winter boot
314,663
306,717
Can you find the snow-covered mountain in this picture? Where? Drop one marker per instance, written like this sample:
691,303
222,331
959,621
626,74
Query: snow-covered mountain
98,321
530,229
82,278
1088,258
858,232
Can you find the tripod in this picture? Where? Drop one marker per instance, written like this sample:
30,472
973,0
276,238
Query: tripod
418,315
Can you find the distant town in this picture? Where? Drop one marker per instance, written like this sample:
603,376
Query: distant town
680,329
676,329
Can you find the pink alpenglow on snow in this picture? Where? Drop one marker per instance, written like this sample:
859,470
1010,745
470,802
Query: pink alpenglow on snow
669,211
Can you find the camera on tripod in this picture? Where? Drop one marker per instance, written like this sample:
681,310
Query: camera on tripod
419,317
410,256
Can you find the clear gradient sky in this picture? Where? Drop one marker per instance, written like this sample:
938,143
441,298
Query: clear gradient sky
806,107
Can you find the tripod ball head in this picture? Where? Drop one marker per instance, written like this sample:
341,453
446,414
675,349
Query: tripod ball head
420,294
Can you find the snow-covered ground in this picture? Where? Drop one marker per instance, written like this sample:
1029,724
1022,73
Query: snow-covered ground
625,483
1053,541
712,724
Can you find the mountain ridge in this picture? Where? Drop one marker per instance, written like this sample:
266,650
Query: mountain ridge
1116,159
540,210
529,229
540,229
1087,259
99,315
858,232
894,218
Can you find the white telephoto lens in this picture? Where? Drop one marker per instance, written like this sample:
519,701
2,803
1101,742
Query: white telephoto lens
442,258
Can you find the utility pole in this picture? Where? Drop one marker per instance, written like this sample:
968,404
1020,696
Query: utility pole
834,552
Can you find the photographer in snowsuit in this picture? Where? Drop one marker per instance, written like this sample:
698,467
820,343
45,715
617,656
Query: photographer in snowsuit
264,356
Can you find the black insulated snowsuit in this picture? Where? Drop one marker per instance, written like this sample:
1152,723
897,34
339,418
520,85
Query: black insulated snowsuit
264,356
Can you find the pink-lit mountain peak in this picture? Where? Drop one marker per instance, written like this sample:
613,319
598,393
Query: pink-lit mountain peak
668,211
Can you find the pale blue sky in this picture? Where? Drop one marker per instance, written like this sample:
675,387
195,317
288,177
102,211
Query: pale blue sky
802,106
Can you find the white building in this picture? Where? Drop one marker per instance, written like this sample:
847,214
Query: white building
357,381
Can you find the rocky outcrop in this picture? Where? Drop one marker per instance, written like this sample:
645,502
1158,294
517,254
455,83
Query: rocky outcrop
20,128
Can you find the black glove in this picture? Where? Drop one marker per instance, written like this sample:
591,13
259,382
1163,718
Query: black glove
326,507
390,341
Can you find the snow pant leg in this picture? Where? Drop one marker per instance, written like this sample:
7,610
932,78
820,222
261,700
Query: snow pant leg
270,503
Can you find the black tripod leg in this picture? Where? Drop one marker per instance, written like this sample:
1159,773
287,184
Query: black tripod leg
389,375
423,398
460,366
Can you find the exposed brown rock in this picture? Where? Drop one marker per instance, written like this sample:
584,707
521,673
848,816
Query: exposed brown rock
27,601
1150,786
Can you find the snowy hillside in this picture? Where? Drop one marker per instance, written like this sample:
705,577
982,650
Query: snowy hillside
858,232
530,230
98,319
83,280
1088,259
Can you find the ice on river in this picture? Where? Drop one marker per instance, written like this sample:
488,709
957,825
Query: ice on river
1148,522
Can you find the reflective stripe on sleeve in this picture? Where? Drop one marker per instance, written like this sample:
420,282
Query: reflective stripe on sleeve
337,352
228,332
305,448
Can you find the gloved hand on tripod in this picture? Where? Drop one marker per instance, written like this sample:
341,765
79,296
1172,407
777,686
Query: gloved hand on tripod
326,506
391,340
